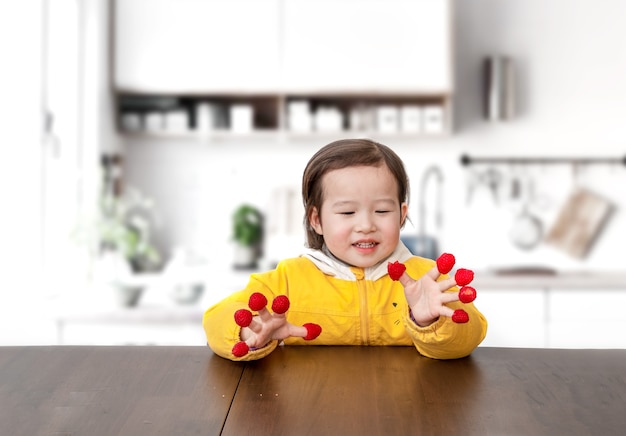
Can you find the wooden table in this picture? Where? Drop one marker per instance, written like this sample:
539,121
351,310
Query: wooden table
114,390
311,390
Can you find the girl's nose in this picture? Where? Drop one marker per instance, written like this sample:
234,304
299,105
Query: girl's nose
366,224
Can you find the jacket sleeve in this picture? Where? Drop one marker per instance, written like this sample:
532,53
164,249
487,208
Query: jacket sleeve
221,330
445,339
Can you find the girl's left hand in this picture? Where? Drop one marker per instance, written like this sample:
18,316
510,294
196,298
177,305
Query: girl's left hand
427,297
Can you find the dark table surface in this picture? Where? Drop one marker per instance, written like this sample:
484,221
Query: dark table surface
310,390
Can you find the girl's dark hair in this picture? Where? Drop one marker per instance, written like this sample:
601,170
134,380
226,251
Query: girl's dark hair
342,154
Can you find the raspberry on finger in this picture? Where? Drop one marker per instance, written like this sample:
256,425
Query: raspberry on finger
240,349
460,316
463,276
280,304
257,301
467,294
395,270
243,317
445,262
312,331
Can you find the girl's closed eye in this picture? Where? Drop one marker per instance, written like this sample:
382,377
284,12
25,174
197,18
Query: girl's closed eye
346,213
383,211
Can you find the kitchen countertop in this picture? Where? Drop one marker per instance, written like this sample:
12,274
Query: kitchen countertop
569,280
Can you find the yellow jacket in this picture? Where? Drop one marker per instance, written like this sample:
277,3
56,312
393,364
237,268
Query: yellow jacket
354,306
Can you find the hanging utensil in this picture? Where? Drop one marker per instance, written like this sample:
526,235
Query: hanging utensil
527,229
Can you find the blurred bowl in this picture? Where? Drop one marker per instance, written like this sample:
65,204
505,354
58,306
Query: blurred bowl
187,293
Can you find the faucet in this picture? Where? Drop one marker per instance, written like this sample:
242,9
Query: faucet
432,171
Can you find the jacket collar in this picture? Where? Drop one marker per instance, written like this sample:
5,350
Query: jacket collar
330,265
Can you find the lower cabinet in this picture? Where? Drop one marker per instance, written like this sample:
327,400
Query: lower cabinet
126,333
586,318
554,318
517,318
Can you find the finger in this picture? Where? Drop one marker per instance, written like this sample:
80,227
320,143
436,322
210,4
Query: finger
447,284
446,311
265,315
406,279
255,325
449,297
433,273
297,331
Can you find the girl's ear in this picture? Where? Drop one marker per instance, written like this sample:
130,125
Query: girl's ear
404,210
315,221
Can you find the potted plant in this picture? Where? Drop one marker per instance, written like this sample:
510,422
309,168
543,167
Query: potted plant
247,230
124,227
119,238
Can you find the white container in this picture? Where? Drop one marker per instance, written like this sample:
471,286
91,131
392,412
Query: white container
205,117
328,119
131,122
299,118
411,119
154,122
299,107
241,118
433,119
300,122
176,121
387,119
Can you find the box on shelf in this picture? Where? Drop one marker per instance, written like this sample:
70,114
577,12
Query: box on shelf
241,118
205,117
411,119
299,116
154,121
387,119
328,119
131,122
433,119
176,121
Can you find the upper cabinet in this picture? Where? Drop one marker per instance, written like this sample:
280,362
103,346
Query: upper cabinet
196,46
290,66
367,45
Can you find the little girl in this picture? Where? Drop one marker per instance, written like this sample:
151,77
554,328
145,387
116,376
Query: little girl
355,195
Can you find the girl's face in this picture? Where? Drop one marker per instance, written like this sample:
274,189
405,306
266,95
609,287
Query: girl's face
360,216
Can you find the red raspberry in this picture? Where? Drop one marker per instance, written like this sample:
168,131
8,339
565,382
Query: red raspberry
280,304
257,301
467,294
243,317
463,276
445,262
312,331
395,270
240,349
460,316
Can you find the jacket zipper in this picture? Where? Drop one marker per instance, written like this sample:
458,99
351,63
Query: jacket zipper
363,309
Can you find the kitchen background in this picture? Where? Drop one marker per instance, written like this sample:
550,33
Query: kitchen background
82,62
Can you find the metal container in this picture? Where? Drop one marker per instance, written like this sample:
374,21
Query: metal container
499,88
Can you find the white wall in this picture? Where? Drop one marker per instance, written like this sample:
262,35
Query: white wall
571,95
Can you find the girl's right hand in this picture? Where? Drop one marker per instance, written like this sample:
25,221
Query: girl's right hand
268,326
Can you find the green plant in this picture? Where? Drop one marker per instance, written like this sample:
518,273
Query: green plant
124,226
247,225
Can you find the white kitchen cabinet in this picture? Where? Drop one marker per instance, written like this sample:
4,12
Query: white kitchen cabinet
193,46
586,318
516,318
352,58
367,45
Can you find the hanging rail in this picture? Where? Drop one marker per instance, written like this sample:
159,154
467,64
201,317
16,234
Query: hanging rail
468,160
